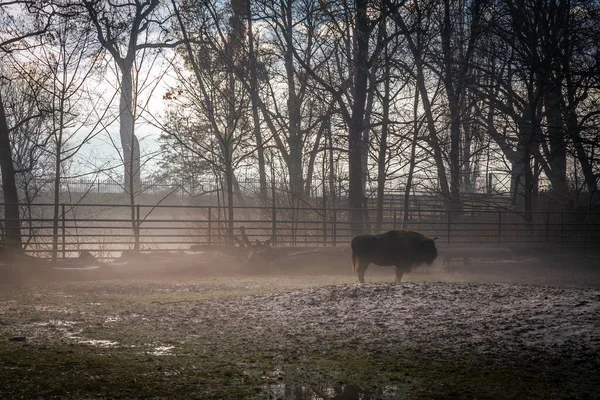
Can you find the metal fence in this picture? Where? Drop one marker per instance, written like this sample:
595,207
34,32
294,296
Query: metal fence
249,189
106,230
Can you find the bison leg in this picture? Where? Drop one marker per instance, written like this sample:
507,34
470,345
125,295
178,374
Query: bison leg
399,272
360,271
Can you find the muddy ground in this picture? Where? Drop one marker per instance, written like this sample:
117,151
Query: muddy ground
491,330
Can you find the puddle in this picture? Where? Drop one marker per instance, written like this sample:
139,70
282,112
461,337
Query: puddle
44,308
95,342
74,336
293,391
162,351
57,323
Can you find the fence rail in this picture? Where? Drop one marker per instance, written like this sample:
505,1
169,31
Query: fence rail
108,230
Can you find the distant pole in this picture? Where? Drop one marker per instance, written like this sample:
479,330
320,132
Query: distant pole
209,225
499,226
449,221
324,222
273,217
62,207
562,230
547,226
334,233
136,231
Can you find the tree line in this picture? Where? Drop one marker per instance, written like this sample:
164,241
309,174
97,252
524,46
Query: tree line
452,97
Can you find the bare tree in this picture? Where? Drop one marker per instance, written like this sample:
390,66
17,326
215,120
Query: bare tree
222,99
416,43
351,28
125,29
66,61
27,114
253,75
295,113
13,38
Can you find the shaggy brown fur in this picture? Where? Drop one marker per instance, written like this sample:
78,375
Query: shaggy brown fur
403,249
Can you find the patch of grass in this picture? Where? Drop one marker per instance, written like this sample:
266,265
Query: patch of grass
422,377
80,371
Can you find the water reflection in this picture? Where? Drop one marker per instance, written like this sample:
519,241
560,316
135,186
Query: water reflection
163,351
293,391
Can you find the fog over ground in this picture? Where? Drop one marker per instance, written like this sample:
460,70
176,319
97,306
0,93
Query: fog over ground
526,327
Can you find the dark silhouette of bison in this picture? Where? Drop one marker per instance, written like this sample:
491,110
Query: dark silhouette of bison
403,249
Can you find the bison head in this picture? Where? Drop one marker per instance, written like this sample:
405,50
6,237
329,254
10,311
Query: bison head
428,251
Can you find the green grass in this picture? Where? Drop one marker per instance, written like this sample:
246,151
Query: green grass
84,371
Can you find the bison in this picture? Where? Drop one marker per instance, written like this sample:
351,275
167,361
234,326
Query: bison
403,249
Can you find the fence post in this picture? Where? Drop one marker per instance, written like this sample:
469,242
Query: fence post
324,225
395,219
499,226
137,238
585,235
334,233
562,230
219,224
449,221
209,225
62,207
274,223
547,226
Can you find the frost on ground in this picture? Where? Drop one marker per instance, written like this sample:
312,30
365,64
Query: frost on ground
519,327
299,337
434,317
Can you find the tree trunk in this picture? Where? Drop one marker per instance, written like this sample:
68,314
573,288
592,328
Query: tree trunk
13,239
260,151
557,159
293,105
229,184
356,194
382,156
447,197
366,135
454,109
295,170
571,120
582,156
469,167
417,52
57,179
129,142
131,149
413,161
312,159
332,191
526,150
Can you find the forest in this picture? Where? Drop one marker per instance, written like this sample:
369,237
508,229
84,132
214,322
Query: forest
347,101
192,192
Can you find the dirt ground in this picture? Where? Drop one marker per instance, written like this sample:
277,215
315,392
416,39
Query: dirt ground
488,330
